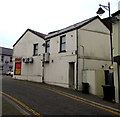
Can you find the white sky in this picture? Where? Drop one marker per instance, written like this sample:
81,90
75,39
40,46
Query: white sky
44,16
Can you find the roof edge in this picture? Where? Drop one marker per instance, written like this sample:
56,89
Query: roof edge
116,13
32,31
5,48
89,20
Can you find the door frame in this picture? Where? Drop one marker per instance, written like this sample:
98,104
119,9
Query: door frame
73,75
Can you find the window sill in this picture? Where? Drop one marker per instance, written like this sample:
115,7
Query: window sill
35,55
62,51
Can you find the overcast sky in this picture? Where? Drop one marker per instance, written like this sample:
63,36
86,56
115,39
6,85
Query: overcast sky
44,16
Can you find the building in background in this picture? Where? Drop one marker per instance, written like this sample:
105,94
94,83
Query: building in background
5,59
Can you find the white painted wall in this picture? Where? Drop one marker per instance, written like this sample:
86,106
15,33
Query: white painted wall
94,37
24,48
116,82
116,52
89,77
99,81
116,35
96,79
57,72
91,64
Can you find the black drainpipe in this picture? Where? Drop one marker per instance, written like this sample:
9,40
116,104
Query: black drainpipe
77,60
118,82
43,66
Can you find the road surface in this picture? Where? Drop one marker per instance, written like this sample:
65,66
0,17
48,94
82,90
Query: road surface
37,99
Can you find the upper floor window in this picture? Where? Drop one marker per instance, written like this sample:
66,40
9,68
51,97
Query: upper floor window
63,43
11,59
35,49
2,58
47,49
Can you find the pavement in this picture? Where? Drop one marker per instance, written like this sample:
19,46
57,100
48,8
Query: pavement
10,108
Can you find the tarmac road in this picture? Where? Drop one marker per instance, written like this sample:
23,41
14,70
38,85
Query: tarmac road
37,99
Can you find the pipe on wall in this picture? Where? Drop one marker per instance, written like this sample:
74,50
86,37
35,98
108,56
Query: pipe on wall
83,60
77,60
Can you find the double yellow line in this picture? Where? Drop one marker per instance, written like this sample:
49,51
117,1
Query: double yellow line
66,95
86,102
22,104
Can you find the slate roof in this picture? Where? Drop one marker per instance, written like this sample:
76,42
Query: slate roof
38,33
6,51
106,21
32,31
61,31
116,13
72,27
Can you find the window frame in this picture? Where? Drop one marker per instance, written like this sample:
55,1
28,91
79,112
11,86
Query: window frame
62,43
2,58
10,58
35,49
47,46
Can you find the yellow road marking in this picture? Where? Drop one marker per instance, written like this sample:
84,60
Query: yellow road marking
22,104
116,113
94,105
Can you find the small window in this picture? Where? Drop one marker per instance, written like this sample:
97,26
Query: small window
47,49
63,43
11,59
35,51
2,58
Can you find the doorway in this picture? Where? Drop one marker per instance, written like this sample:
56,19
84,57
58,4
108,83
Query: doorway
71,74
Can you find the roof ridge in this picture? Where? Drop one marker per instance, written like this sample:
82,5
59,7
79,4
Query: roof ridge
116,13
32,31
37,33
71,27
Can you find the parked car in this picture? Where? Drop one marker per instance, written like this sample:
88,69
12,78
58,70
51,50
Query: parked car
9,73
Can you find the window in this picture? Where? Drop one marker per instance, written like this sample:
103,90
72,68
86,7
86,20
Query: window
63,43
2,67
47,49
10,68
35,51
2,58
11,59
